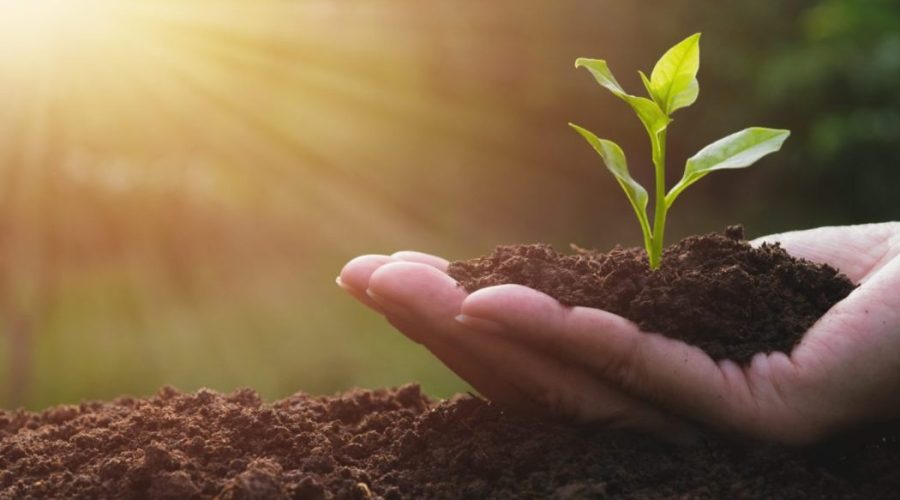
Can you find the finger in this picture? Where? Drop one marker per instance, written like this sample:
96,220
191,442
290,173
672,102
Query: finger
354,277
422,258
505,371
856,251
564,389
422,302
649,366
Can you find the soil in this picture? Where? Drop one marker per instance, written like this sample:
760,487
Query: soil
713,291
399,444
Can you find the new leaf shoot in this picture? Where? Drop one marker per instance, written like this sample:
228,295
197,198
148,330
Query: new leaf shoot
672,85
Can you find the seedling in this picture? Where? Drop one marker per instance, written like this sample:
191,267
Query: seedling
672,85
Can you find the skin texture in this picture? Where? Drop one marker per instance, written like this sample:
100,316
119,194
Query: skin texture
522,349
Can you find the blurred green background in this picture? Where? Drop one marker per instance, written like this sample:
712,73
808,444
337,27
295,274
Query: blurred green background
181,181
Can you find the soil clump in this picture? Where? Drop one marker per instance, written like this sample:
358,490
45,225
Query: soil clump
714,291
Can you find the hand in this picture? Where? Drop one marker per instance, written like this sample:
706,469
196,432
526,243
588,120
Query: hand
412,290
592,365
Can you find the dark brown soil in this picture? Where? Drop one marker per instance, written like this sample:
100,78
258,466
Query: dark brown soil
713,291
399,444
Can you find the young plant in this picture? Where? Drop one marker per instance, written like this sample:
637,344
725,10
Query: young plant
672,85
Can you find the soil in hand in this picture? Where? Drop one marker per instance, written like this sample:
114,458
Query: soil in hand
713,291
399,444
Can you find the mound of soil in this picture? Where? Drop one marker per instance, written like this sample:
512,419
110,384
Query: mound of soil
399,444
713,291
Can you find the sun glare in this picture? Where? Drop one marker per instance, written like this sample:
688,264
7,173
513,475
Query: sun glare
268,102
31,30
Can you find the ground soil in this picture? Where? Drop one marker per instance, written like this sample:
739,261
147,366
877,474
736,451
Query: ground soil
399,444
714,291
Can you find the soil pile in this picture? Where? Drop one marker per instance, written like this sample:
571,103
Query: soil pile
398,444
713,291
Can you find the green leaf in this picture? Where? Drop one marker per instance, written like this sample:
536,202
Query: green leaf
738,150
673,80
602,74
654,120
648,111
614,159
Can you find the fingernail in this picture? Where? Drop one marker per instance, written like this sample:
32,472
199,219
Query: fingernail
341,284
480,324
388,306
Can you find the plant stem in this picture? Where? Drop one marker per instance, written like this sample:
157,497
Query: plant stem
659,216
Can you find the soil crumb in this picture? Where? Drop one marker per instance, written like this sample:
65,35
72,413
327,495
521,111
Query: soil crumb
399,444
713,291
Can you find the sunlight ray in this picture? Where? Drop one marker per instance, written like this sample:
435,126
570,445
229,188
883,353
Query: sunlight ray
183,62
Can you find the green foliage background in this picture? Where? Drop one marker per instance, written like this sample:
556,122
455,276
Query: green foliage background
395,124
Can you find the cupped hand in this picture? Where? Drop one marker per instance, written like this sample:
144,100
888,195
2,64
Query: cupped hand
417,297
523,349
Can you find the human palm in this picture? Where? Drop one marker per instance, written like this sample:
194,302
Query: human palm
524,350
